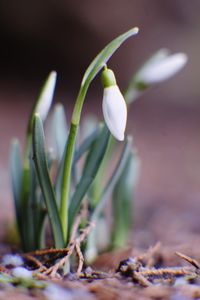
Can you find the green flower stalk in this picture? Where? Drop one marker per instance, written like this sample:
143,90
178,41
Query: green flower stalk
97,64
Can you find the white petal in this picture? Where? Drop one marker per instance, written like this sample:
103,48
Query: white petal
115,111
163,69
46,96
154,60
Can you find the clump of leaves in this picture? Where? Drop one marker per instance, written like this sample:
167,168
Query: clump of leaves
55,187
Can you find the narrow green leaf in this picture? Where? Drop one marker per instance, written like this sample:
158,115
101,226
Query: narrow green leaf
95,191
84,147
86,144
45,181
44,100
92,249
59,129
90,170
123,197
36,209
113,179
80,151
16,169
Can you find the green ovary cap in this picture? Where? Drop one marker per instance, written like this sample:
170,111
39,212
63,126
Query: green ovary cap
108,78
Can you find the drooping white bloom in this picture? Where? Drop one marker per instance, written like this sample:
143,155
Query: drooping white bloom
46,96
114,106
115,111
161,67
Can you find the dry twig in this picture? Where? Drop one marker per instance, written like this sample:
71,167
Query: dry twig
144,275
74,245
140,279
80,259
33,260
190,260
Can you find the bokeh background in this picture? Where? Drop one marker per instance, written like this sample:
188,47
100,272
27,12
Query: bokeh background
38,36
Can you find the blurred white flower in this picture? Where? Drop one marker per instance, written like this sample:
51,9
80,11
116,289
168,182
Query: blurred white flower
114,106
46,96
54,292
22,273
12,260
161,67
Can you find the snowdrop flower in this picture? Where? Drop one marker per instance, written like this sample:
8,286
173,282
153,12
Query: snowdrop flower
46,96
114,106
161,67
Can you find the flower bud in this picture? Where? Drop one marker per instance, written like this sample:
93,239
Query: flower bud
160,68
114,105
46,96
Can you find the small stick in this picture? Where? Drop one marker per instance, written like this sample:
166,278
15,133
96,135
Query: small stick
33,260
53,270
80,259
190,260
172,272
44,252
75,229
139,278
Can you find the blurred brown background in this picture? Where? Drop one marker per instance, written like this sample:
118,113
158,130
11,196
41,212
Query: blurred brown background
38,36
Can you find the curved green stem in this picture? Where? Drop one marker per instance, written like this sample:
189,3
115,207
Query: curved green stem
93,69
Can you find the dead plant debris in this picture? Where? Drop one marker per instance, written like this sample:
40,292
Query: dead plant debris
135,273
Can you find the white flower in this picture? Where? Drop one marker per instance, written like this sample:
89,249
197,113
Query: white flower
161,67
114,105
46,96
12,259
114,111
22,273
54,292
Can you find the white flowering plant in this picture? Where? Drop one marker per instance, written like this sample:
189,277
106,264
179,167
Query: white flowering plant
54,186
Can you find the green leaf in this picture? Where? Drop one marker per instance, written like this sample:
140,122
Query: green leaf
45,181
59,129
95,191
44,100
122,204
36,210
91,249
16,169
86,144
84,147
112,180
90,170
80,151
